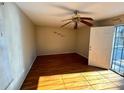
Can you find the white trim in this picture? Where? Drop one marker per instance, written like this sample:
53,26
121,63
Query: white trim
112,48
17,83
27,71
82,55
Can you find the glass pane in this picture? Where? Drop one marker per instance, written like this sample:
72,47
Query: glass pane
122,70
116,41
120,31
123,55
120,41
118,51
117,54
116,68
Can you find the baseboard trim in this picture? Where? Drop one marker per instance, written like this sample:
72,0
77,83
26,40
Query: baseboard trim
82,55
65,54
17,83
58,54
27,71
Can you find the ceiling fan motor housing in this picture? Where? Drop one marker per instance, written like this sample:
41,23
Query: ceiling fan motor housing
76,18
76,12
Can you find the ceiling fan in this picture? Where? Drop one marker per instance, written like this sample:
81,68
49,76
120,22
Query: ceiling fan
76,19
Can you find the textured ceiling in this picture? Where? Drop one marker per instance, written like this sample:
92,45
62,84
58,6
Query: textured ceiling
47,14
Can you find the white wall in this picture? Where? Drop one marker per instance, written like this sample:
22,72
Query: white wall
73,41
112,21
49,40
21,38
52,40
82,42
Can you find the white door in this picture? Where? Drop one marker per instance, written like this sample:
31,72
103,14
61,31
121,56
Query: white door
5,71
101,40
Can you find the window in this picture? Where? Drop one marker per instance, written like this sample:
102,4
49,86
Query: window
118,51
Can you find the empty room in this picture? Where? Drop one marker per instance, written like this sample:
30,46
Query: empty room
61,45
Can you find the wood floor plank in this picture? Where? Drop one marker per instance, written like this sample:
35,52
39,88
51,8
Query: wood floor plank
69,71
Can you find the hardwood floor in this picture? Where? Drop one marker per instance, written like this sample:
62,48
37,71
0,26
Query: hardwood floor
69,71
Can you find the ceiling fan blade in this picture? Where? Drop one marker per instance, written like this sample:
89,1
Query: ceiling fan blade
84,12
76,25
63,14
66,23
64,7
87,23
67,19
86,18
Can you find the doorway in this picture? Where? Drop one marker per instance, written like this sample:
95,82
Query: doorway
118,51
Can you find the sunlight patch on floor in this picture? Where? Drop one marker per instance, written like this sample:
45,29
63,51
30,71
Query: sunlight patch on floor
92,80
